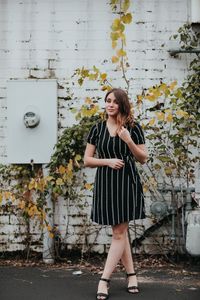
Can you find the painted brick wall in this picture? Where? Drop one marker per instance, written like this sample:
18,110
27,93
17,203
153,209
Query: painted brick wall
50,39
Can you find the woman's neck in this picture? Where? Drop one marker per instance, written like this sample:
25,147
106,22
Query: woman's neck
112,120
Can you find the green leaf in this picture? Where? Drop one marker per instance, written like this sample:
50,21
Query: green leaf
80,81
125,5
164,158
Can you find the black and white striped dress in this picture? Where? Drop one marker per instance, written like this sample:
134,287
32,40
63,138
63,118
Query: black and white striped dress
118,195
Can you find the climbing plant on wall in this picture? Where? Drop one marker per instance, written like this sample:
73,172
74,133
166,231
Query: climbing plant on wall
175,119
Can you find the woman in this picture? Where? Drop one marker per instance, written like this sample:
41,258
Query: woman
118,196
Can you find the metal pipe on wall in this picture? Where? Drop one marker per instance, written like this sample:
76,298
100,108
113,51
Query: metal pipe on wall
48,253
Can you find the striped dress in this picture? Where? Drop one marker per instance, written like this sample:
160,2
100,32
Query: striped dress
118,195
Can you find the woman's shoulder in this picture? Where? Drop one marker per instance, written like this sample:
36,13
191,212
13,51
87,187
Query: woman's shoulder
97,125
136,125
100,123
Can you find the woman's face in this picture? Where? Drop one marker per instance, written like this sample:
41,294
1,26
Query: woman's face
112,107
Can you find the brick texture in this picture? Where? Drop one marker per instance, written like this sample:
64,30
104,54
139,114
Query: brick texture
50,39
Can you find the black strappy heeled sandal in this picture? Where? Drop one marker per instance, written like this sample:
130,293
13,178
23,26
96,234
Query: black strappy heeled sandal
103,296
133,287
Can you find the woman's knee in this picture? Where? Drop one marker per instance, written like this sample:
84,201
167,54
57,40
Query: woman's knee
120,231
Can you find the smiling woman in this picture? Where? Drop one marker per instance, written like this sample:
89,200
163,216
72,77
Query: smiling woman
118,196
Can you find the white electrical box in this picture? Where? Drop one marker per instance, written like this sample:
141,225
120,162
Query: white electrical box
193,233
32,120
195,11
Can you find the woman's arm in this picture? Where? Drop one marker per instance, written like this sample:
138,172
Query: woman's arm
139,151
92,162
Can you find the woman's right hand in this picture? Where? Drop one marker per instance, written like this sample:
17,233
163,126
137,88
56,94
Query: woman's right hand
115,163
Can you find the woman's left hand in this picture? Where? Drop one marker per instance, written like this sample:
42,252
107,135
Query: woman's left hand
124,134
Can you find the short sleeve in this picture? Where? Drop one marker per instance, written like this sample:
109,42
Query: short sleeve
137,134
92,136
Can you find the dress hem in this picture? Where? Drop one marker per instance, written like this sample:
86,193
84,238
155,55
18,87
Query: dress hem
124,221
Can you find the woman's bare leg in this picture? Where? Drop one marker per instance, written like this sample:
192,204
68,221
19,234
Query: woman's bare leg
127,261
115,253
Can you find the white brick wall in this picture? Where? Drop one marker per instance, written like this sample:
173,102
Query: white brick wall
48,38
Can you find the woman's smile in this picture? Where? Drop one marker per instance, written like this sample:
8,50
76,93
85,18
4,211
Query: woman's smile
112,107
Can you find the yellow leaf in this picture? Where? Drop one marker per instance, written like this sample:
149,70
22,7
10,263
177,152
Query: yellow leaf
115,59
59,181
163,87
103,76
88,100
31,211
70,176
70,165
93,76
41,185
153,181
145,188
7,195
127,19
169,118
61,169
125,5
168,170
49,178
182,113
157,166
12,197
116,24
80,81
31,184
114,44
21,204
88,186
49,228
95,69
121,52
122,37
178,93
51,235
150,97
152,121
160,116
65,177
113,2
157,93
172,85
1,197
78,157
139,98
114,36
106,88
43,213
84,72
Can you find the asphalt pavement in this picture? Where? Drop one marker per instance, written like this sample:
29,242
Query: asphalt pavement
44,283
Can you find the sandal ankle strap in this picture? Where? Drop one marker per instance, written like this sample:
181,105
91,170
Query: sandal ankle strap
105,279
131,274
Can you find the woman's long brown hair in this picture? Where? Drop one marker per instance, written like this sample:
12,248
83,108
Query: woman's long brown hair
125,116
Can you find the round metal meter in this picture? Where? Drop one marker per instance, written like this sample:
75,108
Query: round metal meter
31,119
159,208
